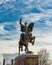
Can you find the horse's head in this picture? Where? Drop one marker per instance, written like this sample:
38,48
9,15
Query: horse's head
30,27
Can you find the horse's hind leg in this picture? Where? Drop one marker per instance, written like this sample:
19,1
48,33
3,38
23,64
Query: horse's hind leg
26,48
19,50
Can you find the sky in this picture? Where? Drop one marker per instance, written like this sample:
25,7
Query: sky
37,11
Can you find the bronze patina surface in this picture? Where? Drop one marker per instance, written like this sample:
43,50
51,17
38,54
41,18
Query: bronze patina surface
26,36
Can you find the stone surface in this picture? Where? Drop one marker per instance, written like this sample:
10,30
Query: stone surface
28,59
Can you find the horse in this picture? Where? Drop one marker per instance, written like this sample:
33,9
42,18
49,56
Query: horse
26,36
24,41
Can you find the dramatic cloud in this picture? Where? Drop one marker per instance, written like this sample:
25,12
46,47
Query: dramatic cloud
37,11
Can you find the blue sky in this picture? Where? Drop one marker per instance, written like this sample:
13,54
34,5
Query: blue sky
37,11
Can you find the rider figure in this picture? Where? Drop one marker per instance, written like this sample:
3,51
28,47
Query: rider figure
26,35
23,29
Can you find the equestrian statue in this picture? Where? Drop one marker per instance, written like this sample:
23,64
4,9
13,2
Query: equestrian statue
26,35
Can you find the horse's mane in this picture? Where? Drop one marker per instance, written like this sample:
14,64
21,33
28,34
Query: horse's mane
30,27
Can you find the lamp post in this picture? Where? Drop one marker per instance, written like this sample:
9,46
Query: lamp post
12,62
3,61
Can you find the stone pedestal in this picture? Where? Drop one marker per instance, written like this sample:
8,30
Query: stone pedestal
27,59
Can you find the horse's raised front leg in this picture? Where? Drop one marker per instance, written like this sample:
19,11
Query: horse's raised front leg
32,40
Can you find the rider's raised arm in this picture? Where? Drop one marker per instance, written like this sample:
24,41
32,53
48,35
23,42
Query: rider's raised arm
22,26
20,21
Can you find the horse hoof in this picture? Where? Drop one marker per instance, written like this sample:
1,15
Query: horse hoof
33,43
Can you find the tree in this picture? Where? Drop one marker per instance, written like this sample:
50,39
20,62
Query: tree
43,57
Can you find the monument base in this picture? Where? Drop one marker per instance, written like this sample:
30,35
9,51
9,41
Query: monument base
27,59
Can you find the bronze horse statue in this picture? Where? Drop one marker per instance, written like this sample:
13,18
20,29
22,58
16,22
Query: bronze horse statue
26,36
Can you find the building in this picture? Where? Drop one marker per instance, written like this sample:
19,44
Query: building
1,59
8,59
